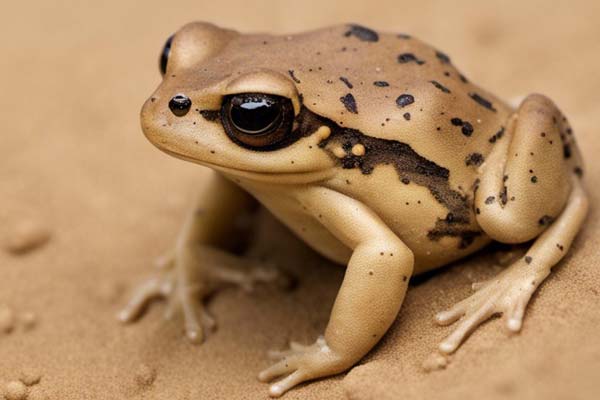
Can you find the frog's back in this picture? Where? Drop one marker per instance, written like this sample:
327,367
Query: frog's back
386,85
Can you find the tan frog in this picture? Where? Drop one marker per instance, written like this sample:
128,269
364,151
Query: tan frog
380,155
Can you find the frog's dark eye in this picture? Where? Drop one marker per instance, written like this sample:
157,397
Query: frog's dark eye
164,56
258,121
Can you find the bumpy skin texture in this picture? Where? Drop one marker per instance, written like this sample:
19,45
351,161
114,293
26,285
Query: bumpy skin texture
395,164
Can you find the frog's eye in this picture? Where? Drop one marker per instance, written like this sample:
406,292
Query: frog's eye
164,56
258,121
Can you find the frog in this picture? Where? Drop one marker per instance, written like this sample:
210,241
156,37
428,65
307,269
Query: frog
379,154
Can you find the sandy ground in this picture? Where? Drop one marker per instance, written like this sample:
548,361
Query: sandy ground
72,160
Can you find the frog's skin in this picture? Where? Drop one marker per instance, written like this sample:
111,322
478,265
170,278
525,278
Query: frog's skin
394,164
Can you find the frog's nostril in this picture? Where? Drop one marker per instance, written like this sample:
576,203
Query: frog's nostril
180,104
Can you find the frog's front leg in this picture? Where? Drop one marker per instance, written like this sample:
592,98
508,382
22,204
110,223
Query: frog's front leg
199,263
369,298
529,185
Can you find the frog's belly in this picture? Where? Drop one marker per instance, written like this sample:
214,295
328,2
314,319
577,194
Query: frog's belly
428,254
291,213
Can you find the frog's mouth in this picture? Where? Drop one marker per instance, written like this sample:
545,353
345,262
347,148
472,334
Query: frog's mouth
289,178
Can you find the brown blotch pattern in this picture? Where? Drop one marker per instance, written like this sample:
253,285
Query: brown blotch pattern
410,166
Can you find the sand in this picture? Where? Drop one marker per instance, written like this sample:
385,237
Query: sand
76,172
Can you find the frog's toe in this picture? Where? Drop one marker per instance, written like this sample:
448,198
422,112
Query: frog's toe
193,315
197,320
453,314
143,295
472,319
301,363
514,315
290,366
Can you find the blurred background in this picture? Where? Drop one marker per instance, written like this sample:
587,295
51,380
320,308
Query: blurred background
74,164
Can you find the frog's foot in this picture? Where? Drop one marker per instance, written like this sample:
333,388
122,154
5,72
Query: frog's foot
507,294
189,277
302,363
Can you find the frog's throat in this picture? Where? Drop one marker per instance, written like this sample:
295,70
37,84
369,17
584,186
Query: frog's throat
410,166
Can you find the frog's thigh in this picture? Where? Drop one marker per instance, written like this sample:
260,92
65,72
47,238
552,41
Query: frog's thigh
525,181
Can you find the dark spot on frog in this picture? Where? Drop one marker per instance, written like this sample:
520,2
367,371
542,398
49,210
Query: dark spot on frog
528,259
406,116
534,179
346,82
475,159
567,151
490,200
362,33
293,76
442,57
483,102
440,86
210,115
350,103
406,181
404,100
467,128
497,135
578,171
381,83
545,220
405,58
504,195
403,36
560,246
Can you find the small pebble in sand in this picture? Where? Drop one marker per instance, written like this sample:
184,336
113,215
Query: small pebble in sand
7,319
30,376
27,236
145,375
434,362
15,390
28,320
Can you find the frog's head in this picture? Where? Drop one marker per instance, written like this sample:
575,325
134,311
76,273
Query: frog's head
224,104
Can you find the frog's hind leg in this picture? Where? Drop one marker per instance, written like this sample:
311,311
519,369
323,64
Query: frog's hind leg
509,293
526,179
529,185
